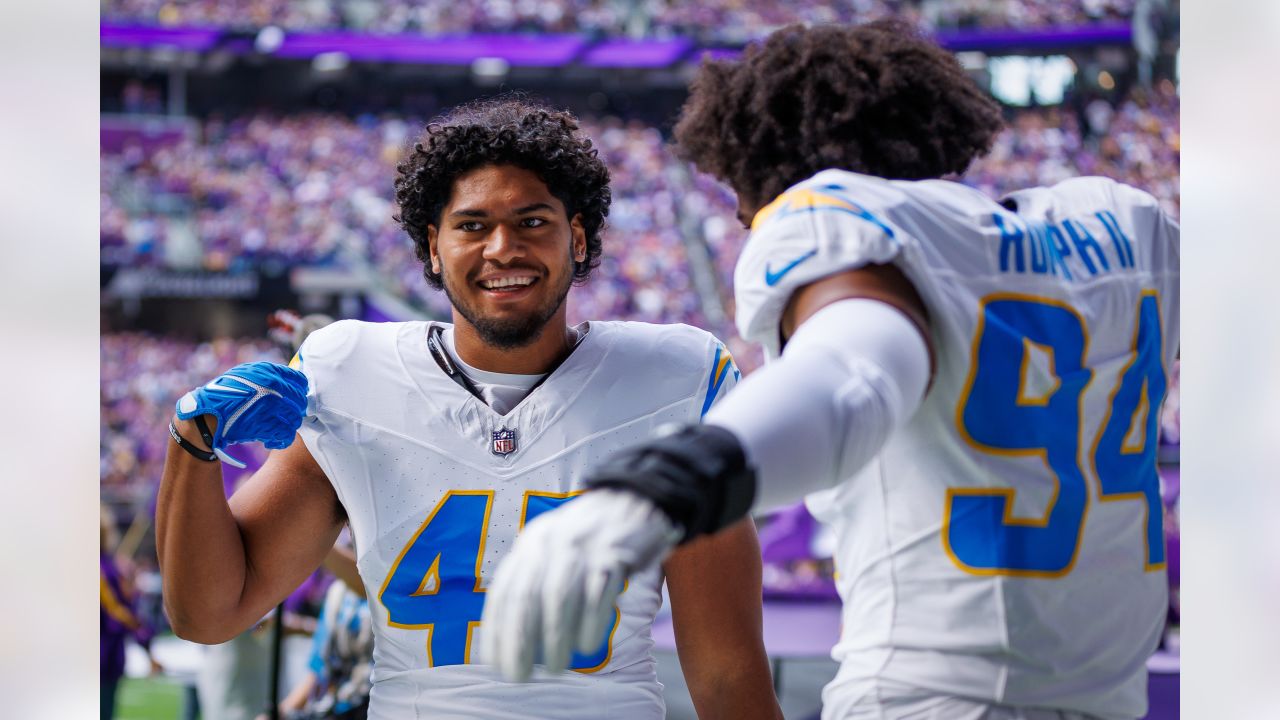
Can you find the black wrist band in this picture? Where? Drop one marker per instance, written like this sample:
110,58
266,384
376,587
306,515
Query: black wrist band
698,476
203,428
194,451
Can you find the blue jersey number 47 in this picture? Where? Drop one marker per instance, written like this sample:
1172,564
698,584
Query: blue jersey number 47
435,584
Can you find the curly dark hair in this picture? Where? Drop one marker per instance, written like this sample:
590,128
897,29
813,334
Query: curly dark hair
507,130
878,99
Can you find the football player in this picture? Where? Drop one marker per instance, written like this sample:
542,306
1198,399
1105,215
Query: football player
438,441
967,390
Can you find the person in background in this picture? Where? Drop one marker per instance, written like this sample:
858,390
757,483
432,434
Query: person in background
339,670
119,621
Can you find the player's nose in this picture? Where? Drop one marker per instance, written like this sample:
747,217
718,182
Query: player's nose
503,245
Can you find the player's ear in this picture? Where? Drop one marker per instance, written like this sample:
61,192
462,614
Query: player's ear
432,236
579,234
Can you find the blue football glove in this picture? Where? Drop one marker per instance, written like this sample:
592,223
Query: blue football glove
257,401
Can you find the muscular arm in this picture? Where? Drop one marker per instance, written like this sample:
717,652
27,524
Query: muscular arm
226,563
714,584
855,368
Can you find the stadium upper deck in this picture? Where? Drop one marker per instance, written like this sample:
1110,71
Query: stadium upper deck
718,20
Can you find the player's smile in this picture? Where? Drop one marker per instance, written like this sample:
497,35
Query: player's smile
509,285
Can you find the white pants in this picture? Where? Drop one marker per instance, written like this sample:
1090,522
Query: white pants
887,700
233,680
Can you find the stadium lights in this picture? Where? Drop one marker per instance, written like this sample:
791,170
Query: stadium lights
330,62
268,40
1017,79
489,70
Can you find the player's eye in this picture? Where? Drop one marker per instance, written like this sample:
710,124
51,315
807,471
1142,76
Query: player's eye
470,226
533,222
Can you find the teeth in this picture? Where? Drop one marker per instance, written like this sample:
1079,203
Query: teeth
506,282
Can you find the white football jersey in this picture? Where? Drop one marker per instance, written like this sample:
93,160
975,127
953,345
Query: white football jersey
1007,543
436,485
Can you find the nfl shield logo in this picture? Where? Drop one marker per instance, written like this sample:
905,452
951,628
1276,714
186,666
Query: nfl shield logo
504,442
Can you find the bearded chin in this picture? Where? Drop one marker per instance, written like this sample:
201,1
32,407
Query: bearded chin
509,333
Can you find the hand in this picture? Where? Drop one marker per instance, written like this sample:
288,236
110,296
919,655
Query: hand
256,401
555,591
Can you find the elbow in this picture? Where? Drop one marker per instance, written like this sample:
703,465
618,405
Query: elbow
744,695
201,634
197,629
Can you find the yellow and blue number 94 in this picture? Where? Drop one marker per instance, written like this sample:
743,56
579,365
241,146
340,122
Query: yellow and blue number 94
980,533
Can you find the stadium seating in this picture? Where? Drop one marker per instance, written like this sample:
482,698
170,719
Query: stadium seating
308,188
712,20
296,189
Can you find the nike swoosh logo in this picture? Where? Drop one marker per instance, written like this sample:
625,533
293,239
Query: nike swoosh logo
259,392
771,278
215,385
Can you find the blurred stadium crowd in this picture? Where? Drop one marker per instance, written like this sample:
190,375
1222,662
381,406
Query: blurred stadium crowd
711,20
317,189
308,188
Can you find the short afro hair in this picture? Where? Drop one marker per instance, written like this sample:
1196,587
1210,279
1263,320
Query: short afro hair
507,130
878,99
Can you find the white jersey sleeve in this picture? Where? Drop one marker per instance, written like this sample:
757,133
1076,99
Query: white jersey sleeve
818,228
323,357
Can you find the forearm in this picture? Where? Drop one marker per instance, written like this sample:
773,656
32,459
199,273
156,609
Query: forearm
714,584
199,546
851,375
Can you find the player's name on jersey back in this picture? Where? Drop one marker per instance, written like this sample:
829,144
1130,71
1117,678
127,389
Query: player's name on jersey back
1075,248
